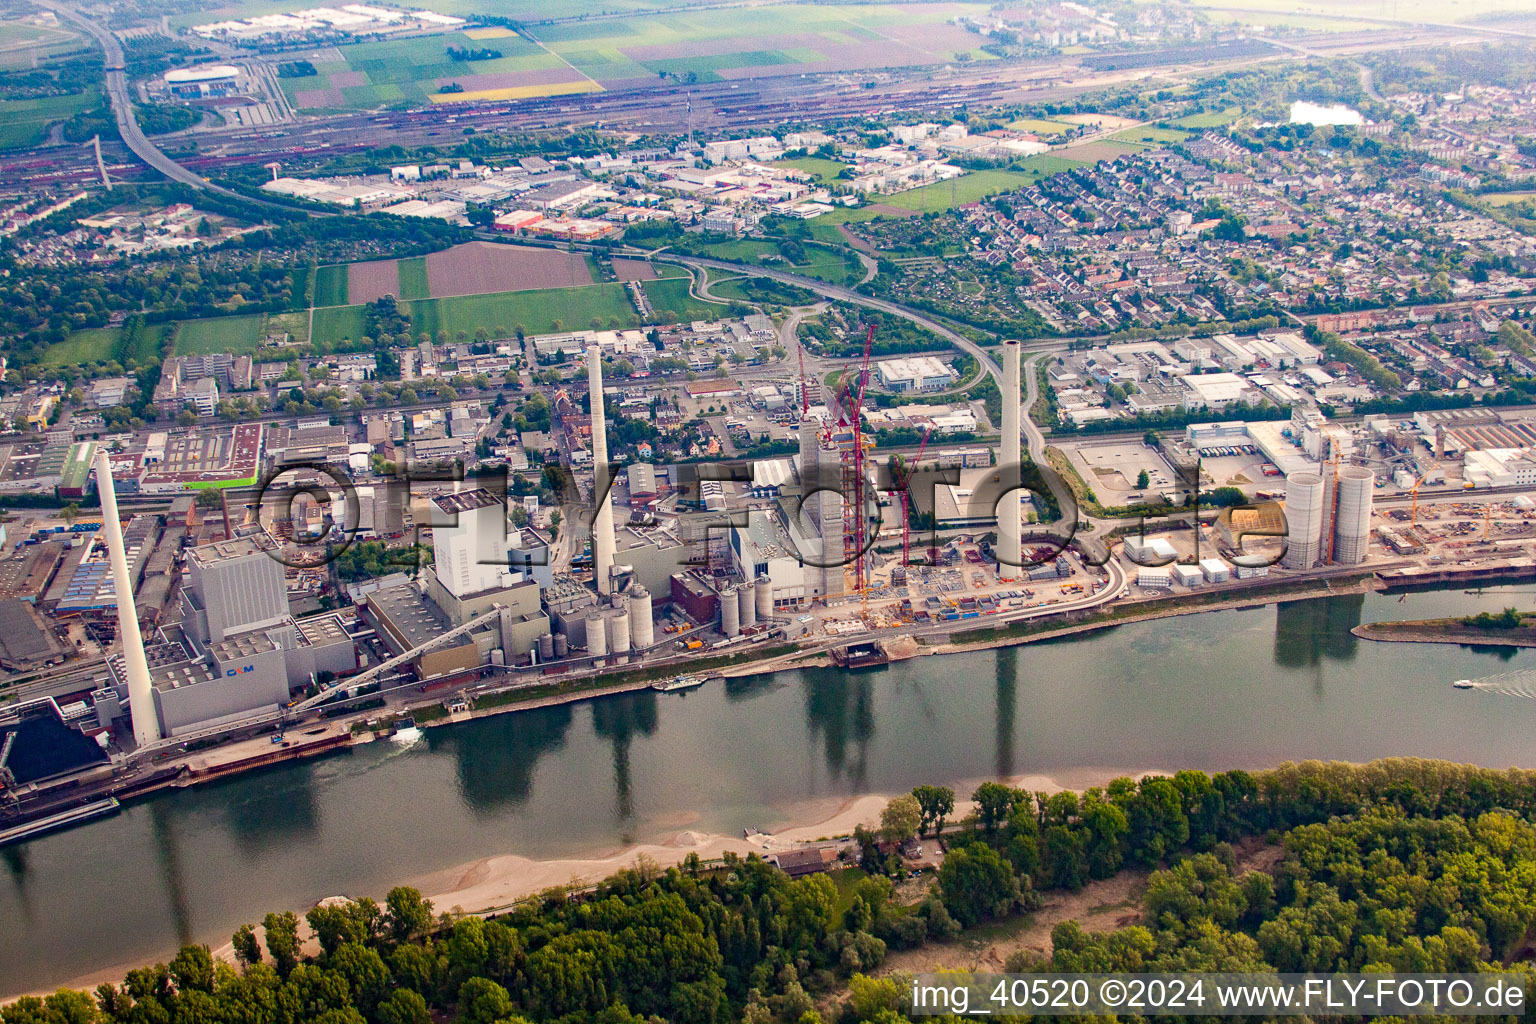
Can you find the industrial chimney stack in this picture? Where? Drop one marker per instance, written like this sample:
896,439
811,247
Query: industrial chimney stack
1009,544
141,699
603,541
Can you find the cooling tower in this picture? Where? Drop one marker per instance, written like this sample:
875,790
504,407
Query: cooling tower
141,698
597,635
1009,513
642,621
1352,523
1304,520
602,523
730,613
764,598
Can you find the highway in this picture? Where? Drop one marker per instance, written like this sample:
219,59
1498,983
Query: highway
122,103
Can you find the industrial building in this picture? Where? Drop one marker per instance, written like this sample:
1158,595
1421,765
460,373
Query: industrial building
915,373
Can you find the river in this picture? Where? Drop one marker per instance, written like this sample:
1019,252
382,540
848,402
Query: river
1223,689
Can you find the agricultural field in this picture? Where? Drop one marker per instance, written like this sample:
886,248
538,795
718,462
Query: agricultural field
774,39
25,122
336,324
415,70
25,40
331,285
519,10
1291,12
474,268
538,312
1210,119
413,278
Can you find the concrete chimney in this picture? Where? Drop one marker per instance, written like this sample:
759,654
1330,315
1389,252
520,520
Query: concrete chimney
141,698
1009,545
603,541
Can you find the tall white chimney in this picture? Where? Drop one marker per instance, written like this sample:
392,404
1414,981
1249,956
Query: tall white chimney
1009,546
141,699
603,541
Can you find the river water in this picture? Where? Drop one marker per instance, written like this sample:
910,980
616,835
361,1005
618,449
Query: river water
1217,690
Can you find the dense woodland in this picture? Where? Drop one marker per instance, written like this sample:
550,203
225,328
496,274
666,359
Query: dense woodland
1401,865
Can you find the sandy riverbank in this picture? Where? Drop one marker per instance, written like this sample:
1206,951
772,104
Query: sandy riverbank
494,882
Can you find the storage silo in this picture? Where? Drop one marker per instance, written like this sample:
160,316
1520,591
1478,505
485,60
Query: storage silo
546,647
1352,524
597,635
764,598
642,622
562,646
746,599
1304,520
730,612
618,631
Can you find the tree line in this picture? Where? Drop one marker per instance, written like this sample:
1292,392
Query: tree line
1406,865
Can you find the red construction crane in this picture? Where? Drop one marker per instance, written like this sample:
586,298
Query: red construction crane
904,491
860,575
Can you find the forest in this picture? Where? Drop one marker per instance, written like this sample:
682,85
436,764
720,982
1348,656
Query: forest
1400,865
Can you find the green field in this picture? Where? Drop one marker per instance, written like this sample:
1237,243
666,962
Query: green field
101,344
24,122
413,278
1210,119
331,285
336,324
539,312
671,296
410,70
1041,126
21,43
825,170
1149,136
238,335
91,345
1506,198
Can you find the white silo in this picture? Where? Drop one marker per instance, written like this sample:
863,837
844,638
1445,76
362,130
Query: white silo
597,635
764,598
642,622
618,631
1304,520
1352,523
141,698
730,612
746,599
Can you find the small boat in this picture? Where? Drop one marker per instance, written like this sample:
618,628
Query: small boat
678,683
1463,684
